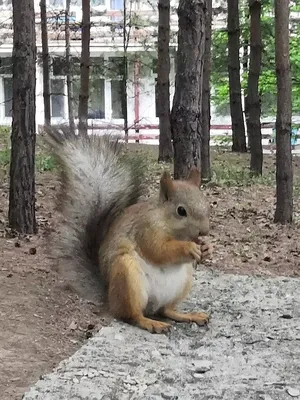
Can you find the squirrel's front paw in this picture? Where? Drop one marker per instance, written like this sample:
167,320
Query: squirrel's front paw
194,250
206,250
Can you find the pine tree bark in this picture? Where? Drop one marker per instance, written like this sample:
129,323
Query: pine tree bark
236,109
68,69
205,142
253,101
126,37
46,62
185,115
284,167
22,166
84,69
163,82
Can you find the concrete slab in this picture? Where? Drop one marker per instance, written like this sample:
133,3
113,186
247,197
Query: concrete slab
250,350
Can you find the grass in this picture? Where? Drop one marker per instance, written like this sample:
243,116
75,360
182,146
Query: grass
228,169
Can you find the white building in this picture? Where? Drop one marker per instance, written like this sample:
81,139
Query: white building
106,47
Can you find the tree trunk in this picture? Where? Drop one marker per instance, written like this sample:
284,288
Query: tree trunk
253,101
236,110
163,82
185,115
46,59
284,167
125,71
245,39
205,147
124,96
68,69
22,166
84,69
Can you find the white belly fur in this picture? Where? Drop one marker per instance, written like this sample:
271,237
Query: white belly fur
161,286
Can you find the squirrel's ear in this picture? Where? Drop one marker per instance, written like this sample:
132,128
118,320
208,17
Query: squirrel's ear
194,176
166,186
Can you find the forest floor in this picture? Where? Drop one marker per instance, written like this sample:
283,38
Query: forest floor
42,320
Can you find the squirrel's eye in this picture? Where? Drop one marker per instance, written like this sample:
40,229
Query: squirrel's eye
181,211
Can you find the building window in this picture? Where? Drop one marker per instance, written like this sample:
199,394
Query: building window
154,65
6,68
56,3
57,98
8,94
117,97
156,100
59,66
6,3
96,108
6,65
116,4
95,3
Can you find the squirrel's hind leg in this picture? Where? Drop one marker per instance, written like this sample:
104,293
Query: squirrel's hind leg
169,311
198,317
127,297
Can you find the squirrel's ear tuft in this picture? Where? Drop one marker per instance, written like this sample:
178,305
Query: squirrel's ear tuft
194,176
166,186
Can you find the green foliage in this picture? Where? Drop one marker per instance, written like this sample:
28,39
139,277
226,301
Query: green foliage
4,158
267,82
234,175
222,141
219,72
44,161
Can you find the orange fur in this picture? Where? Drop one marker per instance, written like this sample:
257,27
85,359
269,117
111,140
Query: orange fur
125,295
163,240
197,317
162,251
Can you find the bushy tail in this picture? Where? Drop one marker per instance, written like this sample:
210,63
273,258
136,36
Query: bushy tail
97,184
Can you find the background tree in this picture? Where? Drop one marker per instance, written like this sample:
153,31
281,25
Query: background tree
84,68
236,109
68,69
185,112
22,166
253,100
46,62
126,38
163,82
205,118
267,80
284,167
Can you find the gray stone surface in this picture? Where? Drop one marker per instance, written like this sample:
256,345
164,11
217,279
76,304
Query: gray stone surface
250,350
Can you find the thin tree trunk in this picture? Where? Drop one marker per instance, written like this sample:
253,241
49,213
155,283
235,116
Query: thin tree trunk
68,69
46,61
163,82
205,143
185,115
84,69
284,166
253,101
124,96
245,40
22,166
236,109
125,71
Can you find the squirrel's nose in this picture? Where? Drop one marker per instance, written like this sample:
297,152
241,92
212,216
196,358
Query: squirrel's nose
204,231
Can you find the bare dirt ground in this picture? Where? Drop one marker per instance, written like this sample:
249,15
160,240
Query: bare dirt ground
42,321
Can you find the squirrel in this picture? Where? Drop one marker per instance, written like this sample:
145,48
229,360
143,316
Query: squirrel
143,250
